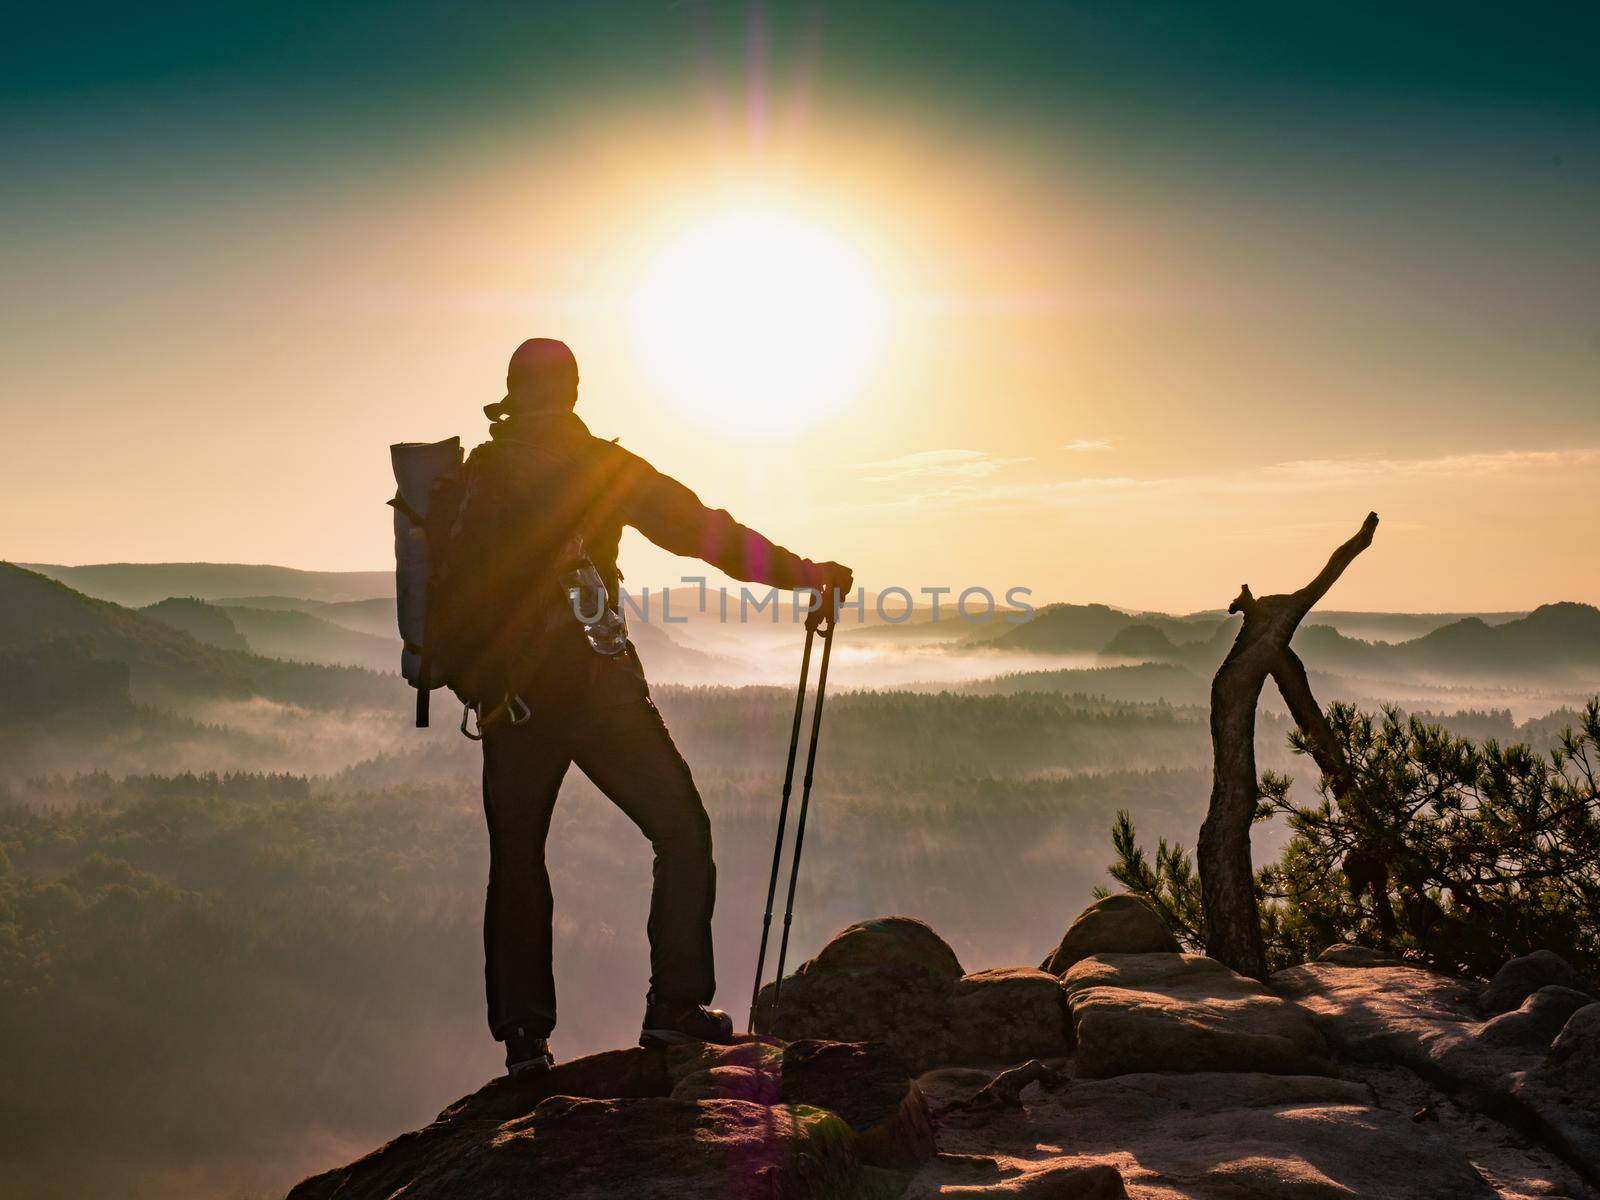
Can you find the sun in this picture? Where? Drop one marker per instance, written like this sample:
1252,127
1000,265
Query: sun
759,324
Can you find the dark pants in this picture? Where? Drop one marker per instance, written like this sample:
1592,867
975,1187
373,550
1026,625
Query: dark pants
622,745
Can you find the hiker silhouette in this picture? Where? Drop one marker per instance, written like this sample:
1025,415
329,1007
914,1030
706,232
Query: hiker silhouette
544,490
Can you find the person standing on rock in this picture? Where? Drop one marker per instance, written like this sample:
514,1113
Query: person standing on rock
540,487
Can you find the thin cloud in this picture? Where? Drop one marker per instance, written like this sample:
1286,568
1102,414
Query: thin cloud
1294,476
938,464
1084,444
1331,472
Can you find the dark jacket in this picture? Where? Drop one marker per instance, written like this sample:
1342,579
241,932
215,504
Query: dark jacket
584,482
549,477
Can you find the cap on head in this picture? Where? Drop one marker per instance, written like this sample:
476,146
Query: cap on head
542,374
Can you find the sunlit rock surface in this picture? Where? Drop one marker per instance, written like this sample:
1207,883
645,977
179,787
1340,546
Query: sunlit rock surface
1355,1076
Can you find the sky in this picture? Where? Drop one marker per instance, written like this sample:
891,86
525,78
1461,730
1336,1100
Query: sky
1120,303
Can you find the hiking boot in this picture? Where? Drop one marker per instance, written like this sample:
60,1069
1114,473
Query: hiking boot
670,1024
527,1055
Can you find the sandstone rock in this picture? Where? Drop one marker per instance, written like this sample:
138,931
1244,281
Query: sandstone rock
677,1123
870,1089
614,1074
1383,1015
1232,1136
1428,1022
697,1056
653,1149
1521,977
897,1005
1119,924
886,941
1008,1014
728,1083
1343,954
911,1001
1538,1021
1064,1181
1571,1070
1184,1012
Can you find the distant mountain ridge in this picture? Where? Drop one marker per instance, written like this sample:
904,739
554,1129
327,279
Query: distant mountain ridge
347,617
1561,639
163,658
279,633
1552,636
135,585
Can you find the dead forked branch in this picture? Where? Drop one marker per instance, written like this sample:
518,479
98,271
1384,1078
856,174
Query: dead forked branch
1005,1089
1227,878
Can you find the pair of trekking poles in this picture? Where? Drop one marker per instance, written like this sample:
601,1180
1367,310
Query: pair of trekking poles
783,812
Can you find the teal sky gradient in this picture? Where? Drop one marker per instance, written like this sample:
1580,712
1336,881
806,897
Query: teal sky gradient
1370,231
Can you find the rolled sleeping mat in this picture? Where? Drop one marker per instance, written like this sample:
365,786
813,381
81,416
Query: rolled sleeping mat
416,466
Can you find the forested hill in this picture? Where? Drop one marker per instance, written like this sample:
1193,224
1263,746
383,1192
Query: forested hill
53,624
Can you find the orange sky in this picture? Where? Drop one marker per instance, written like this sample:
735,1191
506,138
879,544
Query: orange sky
1094,378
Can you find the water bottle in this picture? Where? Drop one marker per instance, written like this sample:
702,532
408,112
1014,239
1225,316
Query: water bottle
591,605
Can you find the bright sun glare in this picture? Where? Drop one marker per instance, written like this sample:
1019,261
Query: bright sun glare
759,324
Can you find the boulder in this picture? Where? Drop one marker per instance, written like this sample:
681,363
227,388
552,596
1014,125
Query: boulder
1536,1024
1007,1015
899,1006
1184,1012
870,1089
1574,1058
889,941
1521,977
1119,924
915,1000
1342,954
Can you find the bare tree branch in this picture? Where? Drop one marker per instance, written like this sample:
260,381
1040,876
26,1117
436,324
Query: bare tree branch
1307,596
1289,673
1261,649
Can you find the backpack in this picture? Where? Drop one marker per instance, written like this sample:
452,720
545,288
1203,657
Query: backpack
428,479
481,606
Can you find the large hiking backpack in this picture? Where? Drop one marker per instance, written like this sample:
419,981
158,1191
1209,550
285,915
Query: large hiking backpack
428,476
480,602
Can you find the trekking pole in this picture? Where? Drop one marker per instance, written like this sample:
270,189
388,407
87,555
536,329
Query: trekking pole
805,803
783,818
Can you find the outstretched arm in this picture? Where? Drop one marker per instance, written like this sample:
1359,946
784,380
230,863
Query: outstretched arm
674,518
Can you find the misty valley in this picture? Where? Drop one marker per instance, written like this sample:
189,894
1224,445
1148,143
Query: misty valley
236,878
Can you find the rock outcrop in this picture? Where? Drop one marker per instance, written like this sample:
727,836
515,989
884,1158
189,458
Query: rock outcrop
1345,955
1521,977
1222,1136
1538,1022
1358,1075
1572,1068
1119,924
1508,1067
810,1121
895,981
1184,1012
